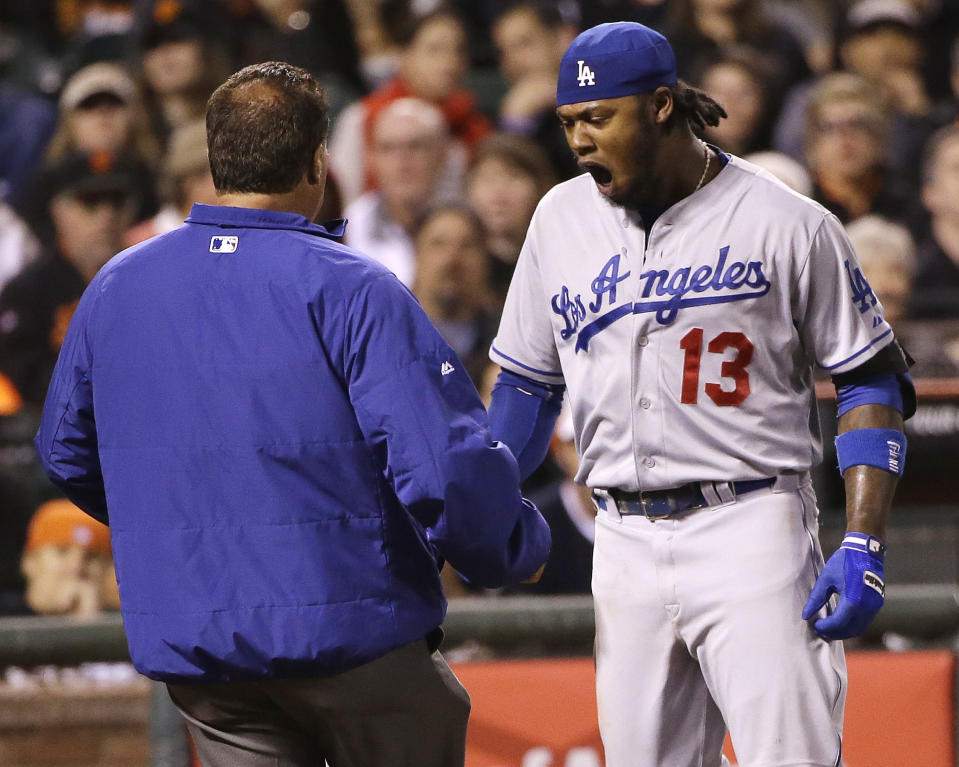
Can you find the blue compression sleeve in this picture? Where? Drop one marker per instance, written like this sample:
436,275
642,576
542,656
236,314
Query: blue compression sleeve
882,389
522,415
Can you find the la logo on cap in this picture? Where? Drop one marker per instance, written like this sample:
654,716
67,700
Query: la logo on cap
586,75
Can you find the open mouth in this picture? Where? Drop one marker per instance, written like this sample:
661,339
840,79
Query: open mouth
601,175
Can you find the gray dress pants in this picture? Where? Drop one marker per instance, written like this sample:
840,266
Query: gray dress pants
405,709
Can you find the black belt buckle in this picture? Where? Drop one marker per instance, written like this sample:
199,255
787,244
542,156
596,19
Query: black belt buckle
685,498
657,503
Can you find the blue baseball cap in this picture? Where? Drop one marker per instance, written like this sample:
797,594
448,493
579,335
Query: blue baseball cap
607,61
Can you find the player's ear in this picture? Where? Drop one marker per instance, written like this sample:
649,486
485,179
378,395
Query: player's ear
317,171
662,104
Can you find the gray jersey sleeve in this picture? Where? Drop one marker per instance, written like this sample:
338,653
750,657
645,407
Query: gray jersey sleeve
838,315
525,343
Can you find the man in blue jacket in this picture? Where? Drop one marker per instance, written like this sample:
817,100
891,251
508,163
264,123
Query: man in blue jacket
285,451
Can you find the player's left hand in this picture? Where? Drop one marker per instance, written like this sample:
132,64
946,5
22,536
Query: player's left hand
855,573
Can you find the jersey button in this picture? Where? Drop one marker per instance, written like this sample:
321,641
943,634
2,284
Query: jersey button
648,462
644,403
642,340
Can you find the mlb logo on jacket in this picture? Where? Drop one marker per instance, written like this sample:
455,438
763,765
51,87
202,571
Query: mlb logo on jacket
223,244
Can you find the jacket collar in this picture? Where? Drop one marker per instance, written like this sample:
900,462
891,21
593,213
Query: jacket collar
250,218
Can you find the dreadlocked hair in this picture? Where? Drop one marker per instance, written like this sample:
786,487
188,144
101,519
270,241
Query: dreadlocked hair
694,106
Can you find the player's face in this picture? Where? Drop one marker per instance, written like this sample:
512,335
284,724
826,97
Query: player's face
615,141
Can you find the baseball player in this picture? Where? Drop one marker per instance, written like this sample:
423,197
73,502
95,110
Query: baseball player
681,296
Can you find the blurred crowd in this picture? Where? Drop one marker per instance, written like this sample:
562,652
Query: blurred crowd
444,139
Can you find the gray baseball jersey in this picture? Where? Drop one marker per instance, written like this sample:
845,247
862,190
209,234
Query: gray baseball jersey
688,354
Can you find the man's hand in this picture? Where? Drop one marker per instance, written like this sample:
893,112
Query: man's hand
855,573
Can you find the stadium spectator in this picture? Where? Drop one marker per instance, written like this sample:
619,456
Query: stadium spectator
508,177
181,66
884,44
589,13
100,110
702,30
18,246
452,282
321,37
936,286
91,199
67,563
736,80
433,67
531,37
846,134
879,40
793,174
407,153
185,179
887,255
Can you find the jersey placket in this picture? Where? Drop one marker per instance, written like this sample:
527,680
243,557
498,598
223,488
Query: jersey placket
646,397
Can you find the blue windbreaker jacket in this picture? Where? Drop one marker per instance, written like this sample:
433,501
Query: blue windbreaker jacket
284,448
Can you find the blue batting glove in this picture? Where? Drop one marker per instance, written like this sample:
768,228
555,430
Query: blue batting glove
854,572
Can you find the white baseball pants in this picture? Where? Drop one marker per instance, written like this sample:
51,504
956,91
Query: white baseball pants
698,626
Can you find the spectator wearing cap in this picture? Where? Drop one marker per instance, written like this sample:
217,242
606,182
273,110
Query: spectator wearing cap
881,41
433,68
68,563
90,201
100,110
185,179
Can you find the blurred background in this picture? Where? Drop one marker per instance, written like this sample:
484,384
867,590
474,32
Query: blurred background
443,141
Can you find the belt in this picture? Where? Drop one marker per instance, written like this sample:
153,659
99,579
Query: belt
657,504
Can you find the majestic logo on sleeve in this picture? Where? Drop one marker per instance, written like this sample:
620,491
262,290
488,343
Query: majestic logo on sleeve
662,291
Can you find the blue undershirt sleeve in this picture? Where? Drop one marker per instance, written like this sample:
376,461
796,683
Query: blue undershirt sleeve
522,415
881,389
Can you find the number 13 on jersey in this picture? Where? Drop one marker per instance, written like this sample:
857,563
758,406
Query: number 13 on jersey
735,369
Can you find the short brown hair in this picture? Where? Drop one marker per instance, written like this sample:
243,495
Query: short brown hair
518,152
841,87
264,125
